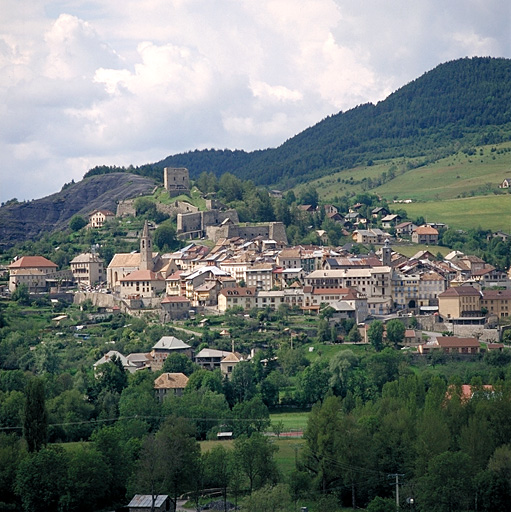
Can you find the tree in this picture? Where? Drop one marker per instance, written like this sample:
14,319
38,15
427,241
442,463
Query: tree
379,504
250,416
314,382
243,382
21,294
395,331
217,470
41,480
309,196
205,380
35,416
10,456
165,237
269,499
446,487
323,330
181,455
77,222
354,335
375,335
322,437
269,392
112,376
150,470
88,476
342,366
118,457
255,455
179,363
204,408
169,461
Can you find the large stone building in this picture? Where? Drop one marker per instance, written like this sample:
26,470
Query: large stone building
87,269
176,181
459,301
32,271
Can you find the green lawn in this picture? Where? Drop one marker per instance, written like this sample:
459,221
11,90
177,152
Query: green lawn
291,420
288,449
451,177
412,249
489,212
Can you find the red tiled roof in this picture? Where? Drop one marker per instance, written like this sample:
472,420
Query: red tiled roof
426,230
457,291
33,262
455,342
171,381
239,292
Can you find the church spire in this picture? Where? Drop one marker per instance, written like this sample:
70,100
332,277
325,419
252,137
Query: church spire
146,249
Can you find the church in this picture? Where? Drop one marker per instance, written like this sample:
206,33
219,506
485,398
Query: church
137,274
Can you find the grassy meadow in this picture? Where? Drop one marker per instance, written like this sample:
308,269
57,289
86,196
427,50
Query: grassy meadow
457,190
487,212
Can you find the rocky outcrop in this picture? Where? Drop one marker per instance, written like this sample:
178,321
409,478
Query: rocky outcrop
28,220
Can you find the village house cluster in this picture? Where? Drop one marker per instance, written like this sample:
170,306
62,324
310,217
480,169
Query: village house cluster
259,272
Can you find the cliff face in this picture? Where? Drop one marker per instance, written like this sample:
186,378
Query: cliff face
27,221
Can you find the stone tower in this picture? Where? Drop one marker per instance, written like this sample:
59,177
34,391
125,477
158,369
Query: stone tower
176,180
146,249
386,253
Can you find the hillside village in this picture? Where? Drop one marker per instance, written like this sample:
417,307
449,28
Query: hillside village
253,267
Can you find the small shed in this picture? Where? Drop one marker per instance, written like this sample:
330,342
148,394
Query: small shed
142,503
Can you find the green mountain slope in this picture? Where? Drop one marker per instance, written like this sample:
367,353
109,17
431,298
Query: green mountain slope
458,104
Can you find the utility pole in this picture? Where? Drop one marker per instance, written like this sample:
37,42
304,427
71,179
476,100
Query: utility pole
397,491
396,476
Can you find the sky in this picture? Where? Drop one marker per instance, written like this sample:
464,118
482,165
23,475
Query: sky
120,82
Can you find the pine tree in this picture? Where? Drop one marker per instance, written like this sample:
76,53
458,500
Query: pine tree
35,416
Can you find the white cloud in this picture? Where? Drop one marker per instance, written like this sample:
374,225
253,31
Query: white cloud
84,83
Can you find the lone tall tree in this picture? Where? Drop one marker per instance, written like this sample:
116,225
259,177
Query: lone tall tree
35,416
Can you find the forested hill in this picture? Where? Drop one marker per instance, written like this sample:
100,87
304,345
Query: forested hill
460,103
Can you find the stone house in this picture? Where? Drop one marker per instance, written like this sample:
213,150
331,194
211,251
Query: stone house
497,302
141,283
98,218
109,356
164,347
425,235
88,269
233,297
32,271
170,383
210,358
228,363
405,228
175,308
459,301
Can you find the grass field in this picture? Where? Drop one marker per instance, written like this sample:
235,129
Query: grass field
288,449
450,178
457,190
412,249
488,212
295,420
